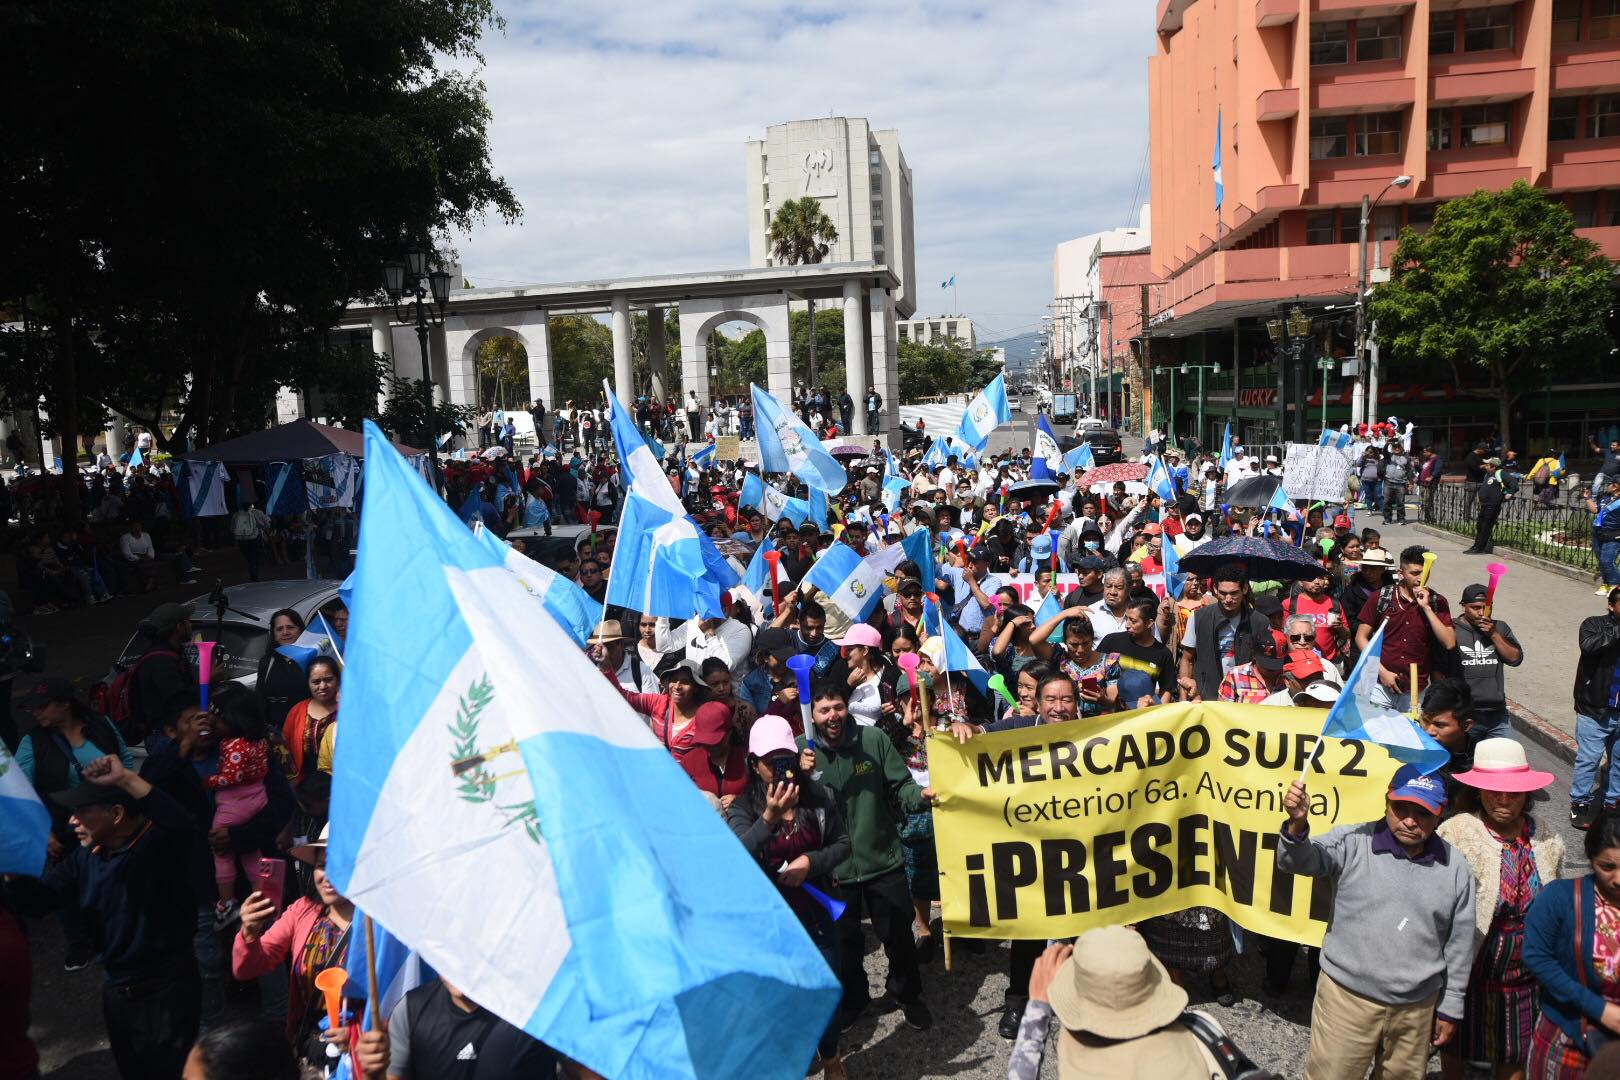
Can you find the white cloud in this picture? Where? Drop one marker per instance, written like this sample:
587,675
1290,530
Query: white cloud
620,127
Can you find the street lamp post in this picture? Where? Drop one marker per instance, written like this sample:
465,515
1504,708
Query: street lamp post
1201,368
427,293
1291,334
1359,408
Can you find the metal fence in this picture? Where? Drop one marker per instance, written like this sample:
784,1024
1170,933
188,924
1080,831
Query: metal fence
1559,529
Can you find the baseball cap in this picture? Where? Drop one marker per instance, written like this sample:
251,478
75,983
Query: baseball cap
1474,593
1411,785
775,641
1303,664
1266,660
165,617
771,735
1089,563
1152,528
1318,693
909,587
46,689
711,724
1041,546
93,795
860,634
1342,522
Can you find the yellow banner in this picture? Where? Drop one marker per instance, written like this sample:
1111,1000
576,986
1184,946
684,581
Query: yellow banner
1049,831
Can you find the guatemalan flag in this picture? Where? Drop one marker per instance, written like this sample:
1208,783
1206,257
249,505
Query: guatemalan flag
958,657
1356,716
24,821
1159,481
1226,446
317,639
852,584
894,487
1047,457
786,445
203,488
773,503
986,412
1079,459
498,808
563,599
1339,440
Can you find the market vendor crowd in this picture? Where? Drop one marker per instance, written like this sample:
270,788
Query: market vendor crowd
1454,930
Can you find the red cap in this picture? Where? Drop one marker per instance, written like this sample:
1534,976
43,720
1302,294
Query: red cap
1342,522
1152,528
1302,664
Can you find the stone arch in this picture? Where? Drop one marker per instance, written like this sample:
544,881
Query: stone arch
700,317
464,333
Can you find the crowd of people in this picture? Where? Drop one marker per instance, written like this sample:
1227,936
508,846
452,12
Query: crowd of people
188,842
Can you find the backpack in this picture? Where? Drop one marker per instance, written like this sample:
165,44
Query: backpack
1219,1047
244,526
119,707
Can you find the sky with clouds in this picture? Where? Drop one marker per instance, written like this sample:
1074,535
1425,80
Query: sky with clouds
620,126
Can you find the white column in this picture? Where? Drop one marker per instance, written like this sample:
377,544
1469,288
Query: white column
885,364
779,351
854,356
537,342
623,378
657,356
382,343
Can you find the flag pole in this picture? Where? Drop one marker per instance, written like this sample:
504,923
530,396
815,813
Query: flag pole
371,972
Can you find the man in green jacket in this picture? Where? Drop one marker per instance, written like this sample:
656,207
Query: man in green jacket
868,777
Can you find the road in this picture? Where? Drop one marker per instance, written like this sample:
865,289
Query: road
966,1001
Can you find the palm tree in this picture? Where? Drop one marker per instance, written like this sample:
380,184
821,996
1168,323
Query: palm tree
801,232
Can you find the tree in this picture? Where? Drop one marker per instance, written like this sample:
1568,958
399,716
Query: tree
503,370
206,186
1501,282
947,368
802,233
581,357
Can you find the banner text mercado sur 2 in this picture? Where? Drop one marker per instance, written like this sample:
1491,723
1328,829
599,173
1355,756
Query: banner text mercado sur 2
1046,832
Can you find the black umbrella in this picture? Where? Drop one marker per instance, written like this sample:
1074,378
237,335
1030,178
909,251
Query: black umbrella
1033,490
1262,558
1252,491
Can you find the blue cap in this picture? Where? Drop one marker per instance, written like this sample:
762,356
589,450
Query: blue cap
1426,789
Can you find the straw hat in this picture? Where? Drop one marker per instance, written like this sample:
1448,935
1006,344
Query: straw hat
1500,765
1376,557
607,631
1114,987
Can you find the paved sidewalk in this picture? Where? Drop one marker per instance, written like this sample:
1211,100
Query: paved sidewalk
1544,610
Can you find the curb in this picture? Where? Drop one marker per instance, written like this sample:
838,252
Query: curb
1500,551
1551,738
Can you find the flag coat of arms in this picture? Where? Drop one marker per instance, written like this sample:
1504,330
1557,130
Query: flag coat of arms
786,445
498,808
984,414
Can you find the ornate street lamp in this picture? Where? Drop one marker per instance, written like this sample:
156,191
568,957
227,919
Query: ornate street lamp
426,294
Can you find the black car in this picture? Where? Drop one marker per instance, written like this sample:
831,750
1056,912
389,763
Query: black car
1104,443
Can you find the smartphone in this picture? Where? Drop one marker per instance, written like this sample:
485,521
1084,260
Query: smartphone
270,878
784,769
1091,684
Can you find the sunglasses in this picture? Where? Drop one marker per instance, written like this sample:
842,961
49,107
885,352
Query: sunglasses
1301,637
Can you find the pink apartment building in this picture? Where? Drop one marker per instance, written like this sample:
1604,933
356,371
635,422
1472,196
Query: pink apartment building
1316,103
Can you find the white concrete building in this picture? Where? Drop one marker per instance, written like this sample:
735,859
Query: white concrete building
1076,284
861,179
938,329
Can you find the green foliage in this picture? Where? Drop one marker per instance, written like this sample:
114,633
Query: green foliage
204,186
475,784
342,384
405,412
581,357
801,232
503,371
935,370
1500,282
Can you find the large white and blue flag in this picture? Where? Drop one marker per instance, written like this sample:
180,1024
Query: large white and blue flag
24,822
562,598
704,458
316,639
1051,607
775,504
1339,440
1079,459
1281,501
986,412
520,840
664,565
1160,482
958,657
786,445
202,488
894,487
1047,458
1174,580
756,577
936,454
919,548
1220,183
1226,446
638,465
1355,715
852,584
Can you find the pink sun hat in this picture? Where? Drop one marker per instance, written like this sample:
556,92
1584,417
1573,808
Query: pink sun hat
1500,765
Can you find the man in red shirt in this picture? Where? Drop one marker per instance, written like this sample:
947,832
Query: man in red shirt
1316,601
1417,620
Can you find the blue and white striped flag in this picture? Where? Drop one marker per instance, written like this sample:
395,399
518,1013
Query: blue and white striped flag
852,584
1159,481
400,970
786,445
958,657
202,488
757,576
894,487
704,458
1079,459
520,840
24,821
1174,580
936,454
1215,166
1339,440
562,598
987,411
663,565
1226,446
772,502
1355,716
1047,457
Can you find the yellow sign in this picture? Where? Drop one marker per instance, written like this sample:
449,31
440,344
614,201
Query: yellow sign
1049,831
727,448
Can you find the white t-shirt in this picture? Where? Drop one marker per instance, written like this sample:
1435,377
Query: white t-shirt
866,702
133,547
947,479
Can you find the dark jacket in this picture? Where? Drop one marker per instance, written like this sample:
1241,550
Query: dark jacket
52,764
282,684
164,684
179,779
747,820
140,910
1207,671
1549,953
866,775
1599,640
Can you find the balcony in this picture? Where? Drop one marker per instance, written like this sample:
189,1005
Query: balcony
1340,96
1277,104
1170,14
1589,73
1332,10
1275,12
1481,87
1579,164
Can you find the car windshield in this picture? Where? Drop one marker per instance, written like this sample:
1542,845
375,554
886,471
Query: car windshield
241,647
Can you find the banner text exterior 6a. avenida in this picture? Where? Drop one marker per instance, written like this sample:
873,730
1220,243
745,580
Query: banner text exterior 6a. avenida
1049,831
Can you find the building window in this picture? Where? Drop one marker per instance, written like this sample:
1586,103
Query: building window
1604,20
1378,133
1330,43
765,193
1329,137
933,330
1439,129
1386,224
877,236
1485,125
1485,29
874,158
1603,116
1611,207
1566,21
1583,208
904,332
1321,227
1442,33
764,166
1378,39
950,329
1563,119
1420,216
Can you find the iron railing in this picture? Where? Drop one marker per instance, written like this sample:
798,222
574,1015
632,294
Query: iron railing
1559,528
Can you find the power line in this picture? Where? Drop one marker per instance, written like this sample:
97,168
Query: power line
1136,192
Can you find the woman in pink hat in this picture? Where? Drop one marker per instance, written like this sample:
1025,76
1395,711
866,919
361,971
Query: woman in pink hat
1512,859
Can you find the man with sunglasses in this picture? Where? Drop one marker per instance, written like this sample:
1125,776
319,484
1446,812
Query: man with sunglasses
1313,599
1221,636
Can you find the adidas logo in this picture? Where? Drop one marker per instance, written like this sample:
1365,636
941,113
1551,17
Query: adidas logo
1478,653
467,1053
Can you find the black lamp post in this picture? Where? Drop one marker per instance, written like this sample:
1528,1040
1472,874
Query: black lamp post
427,293
1290,335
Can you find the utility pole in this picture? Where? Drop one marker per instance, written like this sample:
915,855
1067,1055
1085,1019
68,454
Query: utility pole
1361,408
